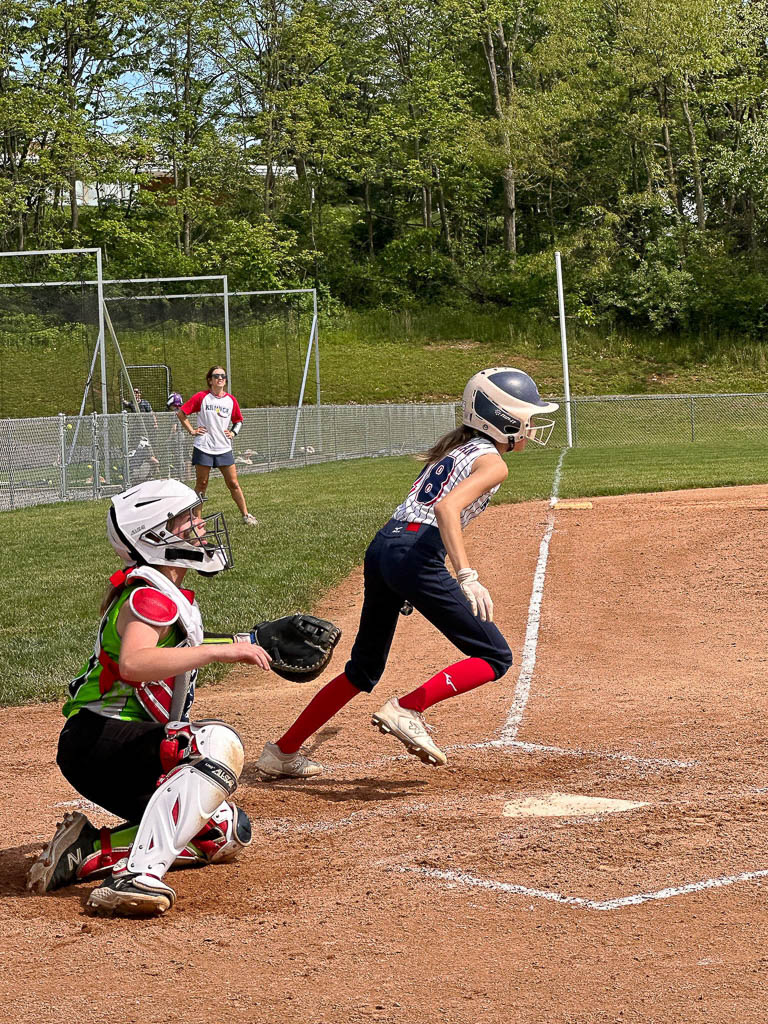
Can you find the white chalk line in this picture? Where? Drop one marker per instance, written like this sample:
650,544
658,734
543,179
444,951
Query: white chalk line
528,661
618,903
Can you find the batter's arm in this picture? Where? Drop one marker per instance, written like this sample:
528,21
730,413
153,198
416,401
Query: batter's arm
488,471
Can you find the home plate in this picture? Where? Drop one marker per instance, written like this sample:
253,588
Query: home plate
565,805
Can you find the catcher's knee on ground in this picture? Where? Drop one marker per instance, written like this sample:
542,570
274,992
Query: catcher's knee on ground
188,797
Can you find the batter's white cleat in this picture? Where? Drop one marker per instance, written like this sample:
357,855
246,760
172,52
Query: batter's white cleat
410,728
274,764
131,895
250,520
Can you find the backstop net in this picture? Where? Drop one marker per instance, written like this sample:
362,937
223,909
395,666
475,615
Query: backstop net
49,333
177,328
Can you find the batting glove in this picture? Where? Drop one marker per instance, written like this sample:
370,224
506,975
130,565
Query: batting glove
478,597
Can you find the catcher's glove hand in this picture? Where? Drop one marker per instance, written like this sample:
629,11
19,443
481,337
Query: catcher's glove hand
300,645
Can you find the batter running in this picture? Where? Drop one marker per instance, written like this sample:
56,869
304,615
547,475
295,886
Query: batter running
405,562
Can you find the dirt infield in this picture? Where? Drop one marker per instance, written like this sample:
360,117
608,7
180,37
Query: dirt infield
387,891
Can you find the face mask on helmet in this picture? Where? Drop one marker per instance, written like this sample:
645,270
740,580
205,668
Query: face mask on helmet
500,402
159,523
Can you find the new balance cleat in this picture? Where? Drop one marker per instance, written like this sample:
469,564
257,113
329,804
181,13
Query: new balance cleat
274,764
62,859
410,728
131,895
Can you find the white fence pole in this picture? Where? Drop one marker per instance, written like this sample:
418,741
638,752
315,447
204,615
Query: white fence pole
225,285
317,347
564,347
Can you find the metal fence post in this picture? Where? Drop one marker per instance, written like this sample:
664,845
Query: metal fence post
126,460
389,412
693,421
63,455
95,452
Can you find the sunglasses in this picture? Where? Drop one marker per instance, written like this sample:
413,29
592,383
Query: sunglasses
220,376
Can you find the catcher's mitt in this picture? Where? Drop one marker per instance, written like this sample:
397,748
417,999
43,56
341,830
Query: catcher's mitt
300,645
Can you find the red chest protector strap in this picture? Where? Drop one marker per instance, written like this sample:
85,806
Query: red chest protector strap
155,697
110,672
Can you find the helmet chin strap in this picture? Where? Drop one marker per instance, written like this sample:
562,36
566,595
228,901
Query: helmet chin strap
173,554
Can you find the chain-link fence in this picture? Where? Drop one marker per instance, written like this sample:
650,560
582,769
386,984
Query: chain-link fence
65,458
68,458
610,421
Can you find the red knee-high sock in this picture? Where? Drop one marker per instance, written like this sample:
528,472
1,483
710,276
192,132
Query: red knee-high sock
323,706
459,678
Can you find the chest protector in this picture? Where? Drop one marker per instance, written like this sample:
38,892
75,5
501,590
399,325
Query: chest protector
164,699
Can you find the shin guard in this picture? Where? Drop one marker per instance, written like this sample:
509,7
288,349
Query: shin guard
188,796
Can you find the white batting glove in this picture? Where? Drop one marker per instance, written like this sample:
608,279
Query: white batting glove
474,591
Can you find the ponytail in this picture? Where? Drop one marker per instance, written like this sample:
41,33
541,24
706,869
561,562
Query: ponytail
453,439
117,584
112,594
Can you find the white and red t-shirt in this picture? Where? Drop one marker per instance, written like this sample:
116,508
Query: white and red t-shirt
215,414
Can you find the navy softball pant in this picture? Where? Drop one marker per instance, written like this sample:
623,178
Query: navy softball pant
406,561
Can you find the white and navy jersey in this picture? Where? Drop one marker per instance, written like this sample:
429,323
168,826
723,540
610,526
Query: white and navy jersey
215,414
438,478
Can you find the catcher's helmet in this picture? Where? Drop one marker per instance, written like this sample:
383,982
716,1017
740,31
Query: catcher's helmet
138,529
500,402
175,401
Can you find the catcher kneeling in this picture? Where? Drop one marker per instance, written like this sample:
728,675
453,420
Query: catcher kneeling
128,744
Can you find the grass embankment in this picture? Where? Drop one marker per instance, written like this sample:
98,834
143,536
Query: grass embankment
436,350
315,525
378,356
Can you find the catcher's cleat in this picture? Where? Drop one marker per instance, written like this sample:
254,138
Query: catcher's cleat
131,895
250,520
274,764
60,861
410,728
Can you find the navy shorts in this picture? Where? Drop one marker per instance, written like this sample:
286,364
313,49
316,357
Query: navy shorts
201,458
406,561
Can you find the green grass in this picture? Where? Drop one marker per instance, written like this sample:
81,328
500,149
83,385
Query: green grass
315,525
636,469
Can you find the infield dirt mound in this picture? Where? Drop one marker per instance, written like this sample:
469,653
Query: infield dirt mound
388,891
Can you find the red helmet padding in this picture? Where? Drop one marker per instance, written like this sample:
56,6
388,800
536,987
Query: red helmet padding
152,607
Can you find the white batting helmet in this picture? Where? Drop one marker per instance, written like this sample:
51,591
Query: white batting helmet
500,402
137,528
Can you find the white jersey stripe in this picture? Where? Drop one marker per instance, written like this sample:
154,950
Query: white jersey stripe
440,477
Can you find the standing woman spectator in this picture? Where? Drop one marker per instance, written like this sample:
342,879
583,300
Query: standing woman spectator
218,420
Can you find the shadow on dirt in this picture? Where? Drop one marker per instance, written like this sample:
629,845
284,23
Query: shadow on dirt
14,863
364,789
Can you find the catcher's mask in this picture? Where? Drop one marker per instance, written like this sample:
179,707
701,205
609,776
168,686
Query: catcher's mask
501,401
160,523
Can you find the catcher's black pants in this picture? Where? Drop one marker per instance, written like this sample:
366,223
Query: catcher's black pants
115,764
406,561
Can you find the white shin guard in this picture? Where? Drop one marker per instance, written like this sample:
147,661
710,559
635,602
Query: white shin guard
187,798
